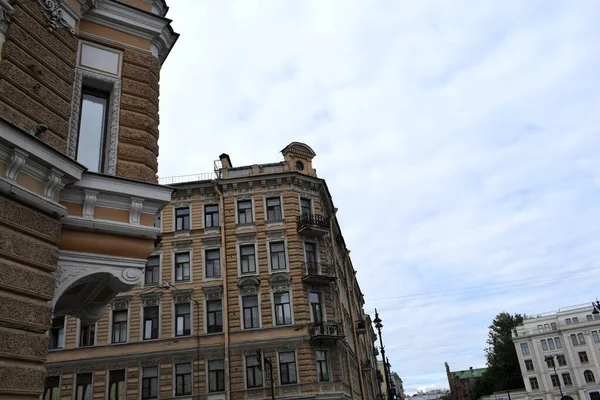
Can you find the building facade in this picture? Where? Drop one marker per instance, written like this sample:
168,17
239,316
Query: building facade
462,383
78,162
252,282
559,351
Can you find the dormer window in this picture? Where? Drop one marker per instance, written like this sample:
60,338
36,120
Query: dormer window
299,166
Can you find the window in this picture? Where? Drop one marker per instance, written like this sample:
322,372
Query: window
87,334
183,379
211,215
248,259
546,327
568,321
544,345
596,316
83,390
305,206
116,385
52,388
567,379
550,363
213,263
310,254
595,336
250,308
277,256
589,317
182,219
182,267
214,316
245,212
283,314
158,221
322,366
583,358
558,342
555,380
553,326
589,376
529,365
57,333
254,376
575,320
534,383
119,326
581,338
562,361
273,209
574,340
152,273
315,307
216,376
150,323
92,128
287,368
525,348
149,383
182,319
540,328
551,344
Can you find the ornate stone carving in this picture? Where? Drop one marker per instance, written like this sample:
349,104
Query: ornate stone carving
17,160
182,245
280,282
213,292
120,303
63,274
135,210
89,203
132,275
182,296
53,182
151,299
249,285
54,14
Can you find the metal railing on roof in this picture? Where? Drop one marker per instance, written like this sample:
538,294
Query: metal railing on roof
173,180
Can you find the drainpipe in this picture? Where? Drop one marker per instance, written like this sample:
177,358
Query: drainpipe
225,291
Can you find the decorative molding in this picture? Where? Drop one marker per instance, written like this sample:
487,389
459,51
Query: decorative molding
151,299
89,203
213,292
53,9
182,296
53,182
249,285
211,241
136,210
120,303
276,234
110,227
182,245
17,161
280,282
36,201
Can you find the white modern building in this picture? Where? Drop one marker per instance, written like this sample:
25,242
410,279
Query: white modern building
559,351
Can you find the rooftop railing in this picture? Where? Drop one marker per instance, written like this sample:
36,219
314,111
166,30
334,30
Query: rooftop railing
174,180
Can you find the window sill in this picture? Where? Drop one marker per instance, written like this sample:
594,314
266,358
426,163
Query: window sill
212,230
275,222
211,279
184,281
213,333
182,233
245,227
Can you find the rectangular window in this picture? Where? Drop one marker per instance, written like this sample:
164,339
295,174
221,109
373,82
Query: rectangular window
215,316
540,328
547,327
595,336
250,309
273,209
558,342
589,317
583,358
310,254
567,379
562,361
551,344
213,263
305,206
544,345
534,383
525,348
182,219
150,322
287,368
152,273
555,380
158,221
116,385
283,313
550,362
149,383
216,376
575,320
83,388
254,376
581,338
87,334
182,267
183,379
57,333
277,250
52,388
182,319
119,326
315,307
211,215
529,365
248,259
245,212
92,129
574,339
322,366
553,326
568,321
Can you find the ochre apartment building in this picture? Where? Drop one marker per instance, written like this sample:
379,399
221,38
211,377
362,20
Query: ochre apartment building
252,273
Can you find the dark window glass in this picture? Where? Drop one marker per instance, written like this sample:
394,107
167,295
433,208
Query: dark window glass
277,256
87,334
149,383
315,306
211,215
182,319
550,363
83,389
305,208
581,338
151,322
322,366
245,212
595,336
119,326
92,128
589,376
254,376
558,343
273,209
213,263
182,219
57,333
248,259
575,320
214,316
283,314
250,309
583,358
116,385
216,376
52,388
529,365
182,267
574,340
183,379
534,383
567,379
555,380
152,275
287,368
310,253
553,326
562,361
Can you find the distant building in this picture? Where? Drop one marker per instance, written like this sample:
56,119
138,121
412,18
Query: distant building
463,382
398,384
558,351
435,394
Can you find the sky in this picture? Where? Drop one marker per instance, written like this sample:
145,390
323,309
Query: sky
459,139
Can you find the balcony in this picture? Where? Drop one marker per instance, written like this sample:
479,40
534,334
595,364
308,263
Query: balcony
324,332
312,225
319,274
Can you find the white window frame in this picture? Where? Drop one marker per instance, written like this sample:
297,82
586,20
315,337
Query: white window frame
75,382
275,222
204,250
328,361
173,269
262,368
160,270
239,257
64,338
287,254
323,309
184,232
317,250
78,335
205,316
174,319
241,304
274,317
210,229
142,326
298,380
312,203
237,220
110,327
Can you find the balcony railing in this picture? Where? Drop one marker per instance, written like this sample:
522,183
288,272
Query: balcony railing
173,180
325,331
318,273
312,224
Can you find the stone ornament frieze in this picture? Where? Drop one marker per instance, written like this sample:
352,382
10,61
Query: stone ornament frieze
54,12
280,282
182,296
151,299
213,292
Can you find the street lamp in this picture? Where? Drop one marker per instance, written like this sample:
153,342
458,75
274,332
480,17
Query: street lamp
266,360
550,359
386,371
596,307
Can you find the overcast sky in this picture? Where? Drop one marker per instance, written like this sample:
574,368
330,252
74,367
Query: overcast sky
460,141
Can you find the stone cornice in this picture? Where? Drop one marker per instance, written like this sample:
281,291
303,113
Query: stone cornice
110,227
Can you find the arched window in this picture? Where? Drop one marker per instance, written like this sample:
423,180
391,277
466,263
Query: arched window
589,376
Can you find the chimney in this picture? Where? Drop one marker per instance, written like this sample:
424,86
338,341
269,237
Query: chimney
225,161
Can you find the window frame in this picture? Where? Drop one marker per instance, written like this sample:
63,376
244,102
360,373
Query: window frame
531,383
525,348
211,214
586,375
238,214
273,211
149,380
275,306
253,309
80,332
270,243
311,262
254,368
89,386
529,362
158,266
287,363
583,355
321,363
310,206
176,219
570,380
52,395
206,260
113,323
219,376
57,330
561,360
208,313
177,315
153,329
554,380
176,264
87,89
182,376
241,256
110,381
321,308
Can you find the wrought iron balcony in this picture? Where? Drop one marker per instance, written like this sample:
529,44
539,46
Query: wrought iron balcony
326,332
312,224
317,273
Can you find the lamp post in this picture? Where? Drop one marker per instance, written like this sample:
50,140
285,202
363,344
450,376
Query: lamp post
550,358
386,372
596,307
269,362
